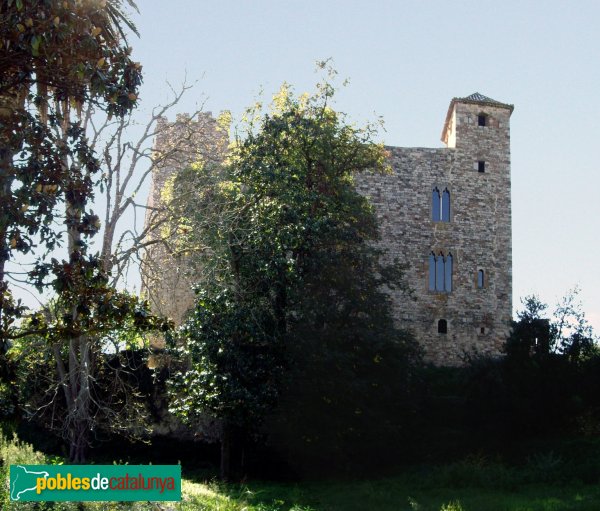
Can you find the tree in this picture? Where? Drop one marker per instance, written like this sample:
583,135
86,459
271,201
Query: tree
567,333
59,57
128,164
573,336
548,380
116,348
287,242
56,56
530,334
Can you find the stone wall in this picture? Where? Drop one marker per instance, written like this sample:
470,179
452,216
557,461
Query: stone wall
166,273
478,235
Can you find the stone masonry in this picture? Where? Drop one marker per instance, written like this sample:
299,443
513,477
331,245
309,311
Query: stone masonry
477,235
166,279
469,309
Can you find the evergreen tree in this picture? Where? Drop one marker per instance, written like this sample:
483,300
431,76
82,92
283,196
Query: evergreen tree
291,308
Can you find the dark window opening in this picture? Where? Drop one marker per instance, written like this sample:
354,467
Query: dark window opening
482,120
481,166
440,205
439,273
480,279
442,326
482,330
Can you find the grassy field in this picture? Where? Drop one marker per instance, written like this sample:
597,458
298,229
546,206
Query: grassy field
546,482
384,495
391,494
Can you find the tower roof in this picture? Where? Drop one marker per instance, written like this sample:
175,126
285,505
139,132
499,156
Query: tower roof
477,99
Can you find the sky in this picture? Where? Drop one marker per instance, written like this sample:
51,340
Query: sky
405,61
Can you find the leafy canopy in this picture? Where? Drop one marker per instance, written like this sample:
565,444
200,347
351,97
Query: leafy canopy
288,273
56,57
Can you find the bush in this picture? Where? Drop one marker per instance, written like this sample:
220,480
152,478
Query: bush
452,506
13,451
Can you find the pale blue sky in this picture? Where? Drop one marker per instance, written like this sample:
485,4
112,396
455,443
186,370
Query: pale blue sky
405,61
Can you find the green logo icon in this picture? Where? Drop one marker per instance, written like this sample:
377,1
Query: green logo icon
30,483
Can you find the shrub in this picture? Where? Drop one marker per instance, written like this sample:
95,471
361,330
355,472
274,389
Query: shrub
13,451
452,506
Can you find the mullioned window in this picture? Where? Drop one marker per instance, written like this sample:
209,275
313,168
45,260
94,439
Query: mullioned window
440,272
440,205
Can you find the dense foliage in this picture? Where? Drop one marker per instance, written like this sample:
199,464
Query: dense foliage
546,386
57,57
60,58
294,311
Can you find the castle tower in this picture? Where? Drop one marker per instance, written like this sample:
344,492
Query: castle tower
446,214
167,276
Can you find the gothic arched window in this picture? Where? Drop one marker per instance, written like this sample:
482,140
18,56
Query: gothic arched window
480,279
446,206
440,272
448,274
436,214
432,272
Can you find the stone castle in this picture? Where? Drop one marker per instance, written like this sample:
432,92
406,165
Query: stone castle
445,212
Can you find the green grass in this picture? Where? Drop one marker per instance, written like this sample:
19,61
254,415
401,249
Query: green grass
392,494
544,483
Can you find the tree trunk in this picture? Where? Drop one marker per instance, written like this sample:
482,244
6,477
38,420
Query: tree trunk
78,440
80,374
80,370
77,398
233,453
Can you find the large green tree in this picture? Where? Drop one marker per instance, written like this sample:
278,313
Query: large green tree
291,285
57,59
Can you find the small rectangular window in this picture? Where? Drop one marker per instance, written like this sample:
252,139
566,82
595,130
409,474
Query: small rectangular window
482,120
481,166
442,326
